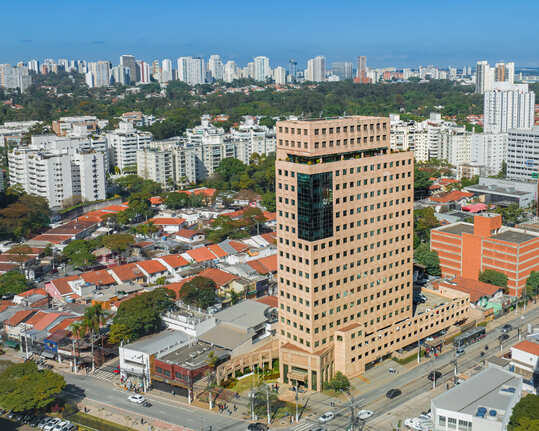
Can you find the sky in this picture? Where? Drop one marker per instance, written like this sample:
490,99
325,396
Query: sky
403,33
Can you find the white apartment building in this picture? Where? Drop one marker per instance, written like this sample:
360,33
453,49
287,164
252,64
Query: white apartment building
489,150
316,69
124,142
508,106
98,74
523,154
279,75
167,74
230,71
262,69
457,149
88,175
15,77
250,138
156,164
191,70
215,67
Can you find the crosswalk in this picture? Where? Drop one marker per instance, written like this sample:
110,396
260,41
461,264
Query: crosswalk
302,426
103,374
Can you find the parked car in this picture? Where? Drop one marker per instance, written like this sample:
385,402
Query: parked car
137,399
364,414
503,337
393,393
51,424
258,426
434,375
60,426
506,328
459,352
326,417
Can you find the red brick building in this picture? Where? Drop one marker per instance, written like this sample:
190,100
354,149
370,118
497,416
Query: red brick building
465,250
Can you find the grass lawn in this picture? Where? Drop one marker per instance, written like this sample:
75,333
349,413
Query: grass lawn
246,383
409,359
95,423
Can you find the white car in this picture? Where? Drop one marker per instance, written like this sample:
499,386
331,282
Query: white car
413,423
60,426
326,417
51,424
364,414
137,398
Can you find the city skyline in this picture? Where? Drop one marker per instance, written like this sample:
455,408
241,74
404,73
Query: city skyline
454,40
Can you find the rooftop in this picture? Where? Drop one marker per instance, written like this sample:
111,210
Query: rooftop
528,347
245,314
227,336
159,343
509,191
514,236
193,356
457,228
481,390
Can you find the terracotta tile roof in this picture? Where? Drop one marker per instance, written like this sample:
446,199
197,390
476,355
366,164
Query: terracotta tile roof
143,244
35,291
126,298
270,237
36,318
219,276
152,266
127,272
264,265
5,267
455,195
55,239
65,324
14,258
156,200
19,317
115,208
270,216
272,301
475,288
202,191
187,233
217,251
201,254
167,221
72,228
174,260
177,287
528,347
62,285
238,246
99,278
445,181
46,321
35,251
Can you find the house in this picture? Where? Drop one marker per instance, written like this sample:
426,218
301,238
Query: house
173,262
62,288
12,325
189,236
99,278
525,360
36,297
452,200
127,273
104,256
479,292
168,224
221,278
265,265
152,269
199,255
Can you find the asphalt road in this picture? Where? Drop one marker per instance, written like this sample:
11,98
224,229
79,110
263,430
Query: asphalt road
193,418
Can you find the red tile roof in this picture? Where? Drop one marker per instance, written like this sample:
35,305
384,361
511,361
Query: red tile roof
219,276
167,221
187,233
35,318
19,317
201,254
65,324
264,265
156,200
5,267
476,289
55,239
270,216
46,321
177,287
35,291
528,347
72,228
217,251
272,301
115,208
127,272
238,246
62,285
453,196
203,191
174,260
152,266
35,251
99,278
270,237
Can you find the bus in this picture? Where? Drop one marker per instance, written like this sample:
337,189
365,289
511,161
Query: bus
469,337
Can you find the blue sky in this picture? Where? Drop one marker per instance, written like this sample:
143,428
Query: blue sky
400,33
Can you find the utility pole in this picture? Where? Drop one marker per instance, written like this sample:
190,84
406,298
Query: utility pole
268,404
297,396
419,350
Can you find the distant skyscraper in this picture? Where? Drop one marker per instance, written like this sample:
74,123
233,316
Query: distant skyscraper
33,65
166,70
342,69
508,106
279,75
230,71
191,70
316,69
262,68
143,71
100,71
362,69
215,67
292,69
130,62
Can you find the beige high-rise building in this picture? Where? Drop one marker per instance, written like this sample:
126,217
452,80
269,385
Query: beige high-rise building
345,249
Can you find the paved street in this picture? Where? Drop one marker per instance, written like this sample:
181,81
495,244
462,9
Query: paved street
190,417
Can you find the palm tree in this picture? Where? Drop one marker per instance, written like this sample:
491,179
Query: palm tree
77,331
94,318
212,364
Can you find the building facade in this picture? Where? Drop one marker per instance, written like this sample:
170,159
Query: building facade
124,143
508,106
523,154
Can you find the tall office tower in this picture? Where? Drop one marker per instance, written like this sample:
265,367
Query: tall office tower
292,69
279,75
484,77
121,75
130,62
523,154
342,69
316,69
230,71
215,67
345,234
262,68
508,106
191,70
14,77
362,69
101,73
33,65
166,70
144,72
510,72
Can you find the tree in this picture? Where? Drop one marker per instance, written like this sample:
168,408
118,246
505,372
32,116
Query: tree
466,182
24,387
146,229
24,215
200,292
268,200
532,284
428,258
424,221
493,277
339,383
511,215
21,253
12,282
93,319
79,253
118,242
140,205
421,183
525,416
141,315
175,200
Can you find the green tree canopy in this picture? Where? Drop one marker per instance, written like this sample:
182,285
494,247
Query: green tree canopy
493,277
532,284
421,183
79,253
24,387
130,184
525,416
428,258
175,200
200,292
424,221
339,383
118,242
12,282
141,315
